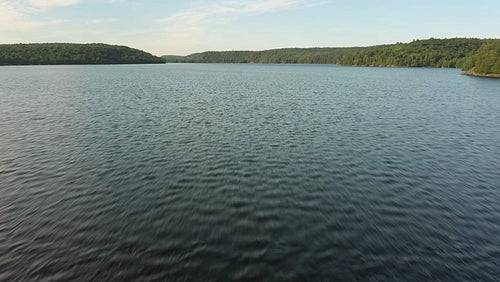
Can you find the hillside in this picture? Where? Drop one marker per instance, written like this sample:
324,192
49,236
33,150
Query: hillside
440,53
275,56
67,53
487,59
464,53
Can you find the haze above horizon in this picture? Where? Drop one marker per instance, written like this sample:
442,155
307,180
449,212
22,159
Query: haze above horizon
184,27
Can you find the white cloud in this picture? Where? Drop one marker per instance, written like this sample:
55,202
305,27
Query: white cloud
14,19
186,29
15,14
53,3
260,6
9,15
103,21
230,9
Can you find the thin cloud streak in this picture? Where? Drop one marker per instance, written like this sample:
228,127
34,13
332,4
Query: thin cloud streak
231,8
187,29
53,3
14,18
103,21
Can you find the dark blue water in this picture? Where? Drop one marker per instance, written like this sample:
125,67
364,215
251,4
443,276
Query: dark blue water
267,172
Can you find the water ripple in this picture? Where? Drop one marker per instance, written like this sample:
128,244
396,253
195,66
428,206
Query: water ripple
248,172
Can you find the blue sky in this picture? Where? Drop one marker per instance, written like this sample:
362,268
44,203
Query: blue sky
189,26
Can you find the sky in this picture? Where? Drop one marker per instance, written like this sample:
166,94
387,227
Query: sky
182,27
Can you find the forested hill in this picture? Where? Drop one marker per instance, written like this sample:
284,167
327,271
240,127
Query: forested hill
68,53
482,55
464,53
275,56
441,53
487,59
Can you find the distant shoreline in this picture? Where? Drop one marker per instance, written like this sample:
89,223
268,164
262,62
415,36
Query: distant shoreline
462,53
471,72
73,54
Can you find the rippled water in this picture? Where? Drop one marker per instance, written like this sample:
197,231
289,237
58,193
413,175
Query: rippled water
277,172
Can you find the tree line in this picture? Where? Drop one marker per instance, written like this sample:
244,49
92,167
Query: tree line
481,54
275,56
462,53
487,59
67,53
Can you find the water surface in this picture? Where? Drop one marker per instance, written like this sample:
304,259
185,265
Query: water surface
276,172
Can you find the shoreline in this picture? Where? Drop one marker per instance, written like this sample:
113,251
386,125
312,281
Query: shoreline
471,72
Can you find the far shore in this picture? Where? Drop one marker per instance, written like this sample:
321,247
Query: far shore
471,72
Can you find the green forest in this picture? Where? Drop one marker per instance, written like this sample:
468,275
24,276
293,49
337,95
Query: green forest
440,53
480,56
466,53
275,56
487,60
68,54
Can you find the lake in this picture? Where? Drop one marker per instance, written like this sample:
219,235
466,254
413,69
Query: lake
259,172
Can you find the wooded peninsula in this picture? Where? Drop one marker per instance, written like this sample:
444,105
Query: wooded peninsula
480,55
